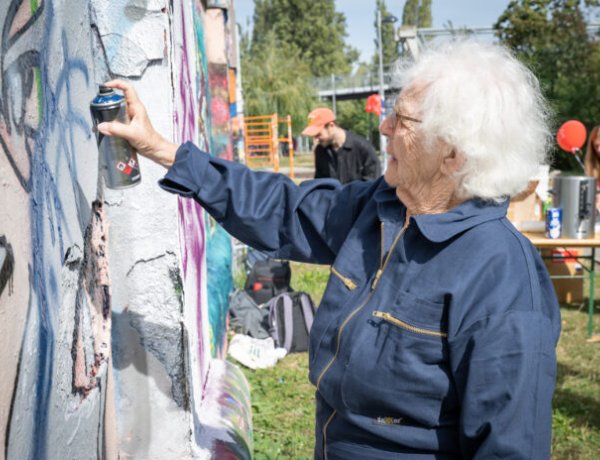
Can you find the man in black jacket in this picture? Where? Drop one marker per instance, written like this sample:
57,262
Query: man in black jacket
340,154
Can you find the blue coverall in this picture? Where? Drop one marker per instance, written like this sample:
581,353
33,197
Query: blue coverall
434,340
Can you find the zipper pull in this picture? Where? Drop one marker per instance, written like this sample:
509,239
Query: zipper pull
347,281
377,276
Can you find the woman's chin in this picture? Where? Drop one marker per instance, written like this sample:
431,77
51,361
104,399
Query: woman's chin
390,177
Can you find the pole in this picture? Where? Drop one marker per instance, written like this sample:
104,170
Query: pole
382,143
333,96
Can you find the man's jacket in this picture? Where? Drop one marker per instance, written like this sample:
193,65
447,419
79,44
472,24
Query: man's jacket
355,160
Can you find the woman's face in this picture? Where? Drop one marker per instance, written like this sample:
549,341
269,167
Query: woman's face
411,165
596,146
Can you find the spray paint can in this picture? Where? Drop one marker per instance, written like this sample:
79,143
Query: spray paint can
118,160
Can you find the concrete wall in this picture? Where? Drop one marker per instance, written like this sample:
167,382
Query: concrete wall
112,302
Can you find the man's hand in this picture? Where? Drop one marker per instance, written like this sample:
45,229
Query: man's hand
139,132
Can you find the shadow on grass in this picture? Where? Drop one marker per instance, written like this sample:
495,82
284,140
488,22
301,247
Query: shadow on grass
584,410
580,306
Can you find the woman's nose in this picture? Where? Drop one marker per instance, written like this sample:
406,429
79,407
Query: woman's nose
385,127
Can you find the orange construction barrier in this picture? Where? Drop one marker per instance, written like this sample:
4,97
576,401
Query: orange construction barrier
262,141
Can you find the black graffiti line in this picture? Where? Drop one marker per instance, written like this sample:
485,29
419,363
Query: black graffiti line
25,182
10,16
7,43
23,67
8,266
9,420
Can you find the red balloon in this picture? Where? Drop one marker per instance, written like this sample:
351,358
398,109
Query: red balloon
571,136
373,104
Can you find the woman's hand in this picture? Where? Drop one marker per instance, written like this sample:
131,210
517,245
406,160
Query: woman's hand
139,132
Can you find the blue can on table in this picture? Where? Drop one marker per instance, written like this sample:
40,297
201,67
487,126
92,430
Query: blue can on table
553,222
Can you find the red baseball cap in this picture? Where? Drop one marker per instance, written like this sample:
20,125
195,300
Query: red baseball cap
317,119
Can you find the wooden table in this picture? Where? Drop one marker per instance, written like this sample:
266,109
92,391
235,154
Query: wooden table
541,242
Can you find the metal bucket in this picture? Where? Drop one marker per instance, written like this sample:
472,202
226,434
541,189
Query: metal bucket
576,196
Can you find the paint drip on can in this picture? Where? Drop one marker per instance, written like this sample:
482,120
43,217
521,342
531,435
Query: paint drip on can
118,160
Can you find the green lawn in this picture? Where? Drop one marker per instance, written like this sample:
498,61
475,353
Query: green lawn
282,397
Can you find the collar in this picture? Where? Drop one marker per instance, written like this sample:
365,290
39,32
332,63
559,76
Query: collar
349,142
438,228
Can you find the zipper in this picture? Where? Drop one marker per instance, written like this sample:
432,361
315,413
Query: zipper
383,264
409,327
372,291
347,281
325,434
382,244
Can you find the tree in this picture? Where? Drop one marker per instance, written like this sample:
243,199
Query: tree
550,37
316,31
417,13
276,79
390,45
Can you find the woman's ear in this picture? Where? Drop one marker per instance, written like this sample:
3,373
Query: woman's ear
453,162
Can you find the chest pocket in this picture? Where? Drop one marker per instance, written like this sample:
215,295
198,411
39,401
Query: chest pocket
399,363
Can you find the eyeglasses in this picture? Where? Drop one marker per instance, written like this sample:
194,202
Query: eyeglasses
398,117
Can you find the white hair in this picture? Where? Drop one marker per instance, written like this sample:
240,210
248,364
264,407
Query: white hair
483,102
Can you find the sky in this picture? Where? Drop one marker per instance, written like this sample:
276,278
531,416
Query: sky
360,15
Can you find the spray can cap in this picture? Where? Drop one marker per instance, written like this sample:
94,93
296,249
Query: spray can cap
105,90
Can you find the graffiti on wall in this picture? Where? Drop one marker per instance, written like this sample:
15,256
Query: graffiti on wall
56,390
194,114
220,134
64,318
206,250
7,264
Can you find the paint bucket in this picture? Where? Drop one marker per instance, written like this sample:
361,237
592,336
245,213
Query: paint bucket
576,195
118,160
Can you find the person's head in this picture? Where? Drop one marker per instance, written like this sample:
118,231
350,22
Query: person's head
321,125
592,154
471,112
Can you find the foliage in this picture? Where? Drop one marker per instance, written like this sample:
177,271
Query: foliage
276,79
316,31
550,37
351,115
292,42
390,45
417,13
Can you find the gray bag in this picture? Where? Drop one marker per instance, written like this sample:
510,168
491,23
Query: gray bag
247,317
291,316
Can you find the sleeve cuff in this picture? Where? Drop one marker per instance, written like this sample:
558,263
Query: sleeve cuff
187,172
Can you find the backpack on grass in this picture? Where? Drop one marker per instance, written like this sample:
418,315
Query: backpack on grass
246,317
268,278
291,316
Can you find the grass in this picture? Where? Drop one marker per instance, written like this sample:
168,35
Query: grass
576,417
283,399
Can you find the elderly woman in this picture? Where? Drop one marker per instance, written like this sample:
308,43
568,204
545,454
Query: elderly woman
436,335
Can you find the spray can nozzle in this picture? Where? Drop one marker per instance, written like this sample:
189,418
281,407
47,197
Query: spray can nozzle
105,90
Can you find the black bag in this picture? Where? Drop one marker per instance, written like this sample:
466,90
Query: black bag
246,317
253,256
268,278
290,319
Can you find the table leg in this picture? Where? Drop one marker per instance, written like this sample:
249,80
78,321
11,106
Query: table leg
591,296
